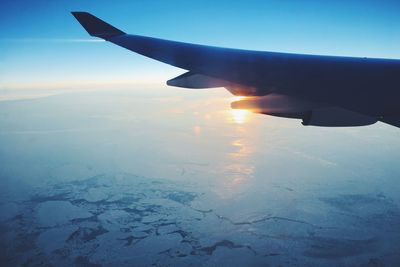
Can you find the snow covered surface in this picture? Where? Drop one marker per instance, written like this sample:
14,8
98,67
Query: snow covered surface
121,179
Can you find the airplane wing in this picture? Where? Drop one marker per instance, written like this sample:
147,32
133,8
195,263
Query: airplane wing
320,90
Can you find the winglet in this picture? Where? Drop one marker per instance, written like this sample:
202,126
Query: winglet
95,26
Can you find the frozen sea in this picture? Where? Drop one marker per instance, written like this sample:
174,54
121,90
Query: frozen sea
173,177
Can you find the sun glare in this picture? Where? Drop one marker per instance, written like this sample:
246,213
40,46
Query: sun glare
239,116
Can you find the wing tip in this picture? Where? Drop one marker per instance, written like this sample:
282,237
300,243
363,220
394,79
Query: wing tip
95,26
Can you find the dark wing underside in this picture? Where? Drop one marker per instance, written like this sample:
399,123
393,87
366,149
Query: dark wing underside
368,87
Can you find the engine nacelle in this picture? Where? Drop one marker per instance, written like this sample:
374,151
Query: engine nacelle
196,81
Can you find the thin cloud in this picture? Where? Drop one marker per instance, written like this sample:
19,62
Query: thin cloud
49,40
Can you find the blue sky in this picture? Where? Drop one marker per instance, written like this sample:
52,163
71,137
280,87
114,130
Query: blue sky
42,45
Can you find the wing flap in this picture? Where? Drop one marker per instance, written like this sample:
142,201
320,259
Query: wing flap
337,117
311,113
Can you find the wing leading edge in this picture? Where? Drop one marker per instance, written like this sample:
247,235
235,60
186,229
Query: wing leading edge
340,83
